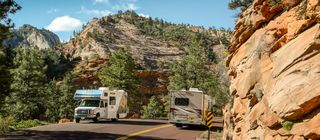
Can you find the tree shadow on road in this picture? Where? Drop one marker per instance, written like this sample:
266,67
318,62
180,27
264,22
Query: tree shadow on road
200,128
67,135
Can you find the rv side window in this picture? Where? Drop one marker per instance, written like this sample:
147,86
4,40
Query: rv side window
181,101
101,104
112,101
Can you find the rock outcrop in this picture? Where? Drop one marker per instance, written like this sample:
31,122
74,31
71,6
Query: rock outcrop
29,36
275,71
152,52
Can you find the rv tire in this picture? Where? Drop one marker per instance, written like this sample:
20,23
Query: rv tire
178,125
77,120
115,119
96,119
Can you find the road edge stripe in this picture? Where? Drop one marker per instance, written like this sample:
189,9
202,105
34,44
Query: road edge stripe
143,132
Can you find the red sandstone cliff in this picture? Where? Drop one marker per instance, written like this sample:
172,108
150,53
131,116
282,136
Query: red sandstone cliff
274,66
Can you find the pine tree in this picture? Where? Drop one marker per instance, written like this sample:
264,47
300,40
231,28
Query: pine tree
6,58
154,109
193,72
4,79
66,101
52,104
242,4
6,7
118,73
27,98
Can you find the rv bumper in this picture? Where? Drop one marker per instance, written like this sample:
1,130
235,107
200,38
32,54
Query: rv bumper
185,122
81,116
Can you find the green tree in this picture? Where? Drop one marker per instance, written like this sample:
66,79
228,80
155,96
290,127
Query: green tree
52,105
242,4
154,109
66,101
4,79
118,73
191,71
6,7
27,98
194,71
166,107
57,63
60,99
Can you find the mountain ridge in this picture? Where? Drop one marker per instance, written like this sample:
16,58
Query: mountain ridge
29,36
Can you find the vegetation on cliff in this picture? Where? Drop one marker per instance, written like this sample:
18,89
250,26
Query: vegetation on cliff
241,4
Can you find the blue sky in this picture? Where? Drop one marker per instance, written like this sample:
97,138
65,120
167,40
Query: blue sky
64,16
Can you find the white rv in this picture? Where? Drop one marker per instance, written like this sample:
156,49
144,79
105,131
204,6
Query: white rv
188,107
101,104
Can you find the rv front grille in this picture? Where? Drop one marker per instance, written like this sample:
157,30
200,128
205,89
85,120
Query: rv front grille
83,112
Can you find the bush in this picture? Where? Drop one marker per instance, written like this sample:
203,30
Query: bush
6,124
154,109
29,123
274,2
287,125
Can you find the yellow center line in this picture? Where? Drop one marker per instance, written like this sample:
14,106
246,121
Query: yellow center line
143,132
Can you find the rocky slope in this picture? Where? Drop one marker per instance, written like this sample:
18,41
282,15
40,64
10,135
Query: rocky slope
29,36
150,42
275,72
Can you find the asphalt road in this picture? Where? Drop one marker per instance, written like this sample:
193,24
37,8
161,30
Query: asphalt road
131,129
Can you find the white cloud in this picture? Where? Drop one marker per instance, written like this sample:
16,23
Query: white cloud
124,7
144,15
52,11
64,24
130,0
84,10
101,1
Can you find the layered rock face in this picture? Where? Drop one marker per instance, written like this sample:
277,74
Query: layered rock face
275,71
29,36
101,37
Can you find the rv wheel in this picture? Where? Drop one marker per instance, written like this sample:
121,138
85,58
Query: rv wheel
178,125
115,119
96,119
77,120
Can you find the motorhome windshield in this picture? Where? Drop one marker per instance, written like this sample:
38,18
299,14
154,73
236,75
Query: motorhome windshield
89,103
181,101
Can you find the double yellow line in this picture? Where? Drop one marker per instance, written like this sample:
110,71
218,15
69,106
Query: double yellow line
143,132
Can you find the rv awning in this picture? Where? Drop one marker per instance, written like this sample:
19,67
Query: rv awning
91,94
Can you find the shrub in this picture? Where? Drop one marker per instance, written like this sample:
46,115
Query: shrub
274,2
6,124
287,125
29,123
154,109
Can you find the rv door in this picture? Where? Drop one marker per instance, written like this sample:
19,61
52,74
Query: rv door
103,109
112,111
